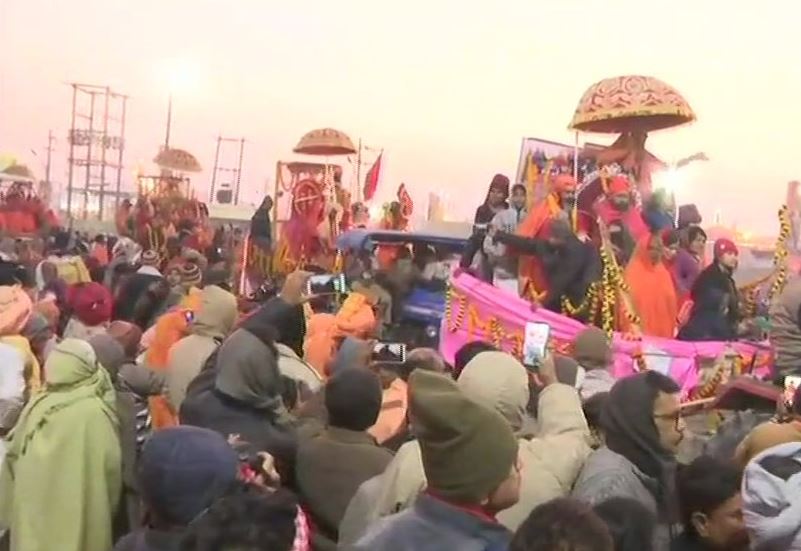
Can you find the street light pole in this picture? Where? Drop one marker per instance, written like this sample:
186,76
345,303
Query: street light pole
169,122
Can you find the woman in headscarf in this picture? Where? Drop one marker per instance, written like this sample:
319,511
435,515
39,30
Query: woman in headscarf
60,483
651,289
494,203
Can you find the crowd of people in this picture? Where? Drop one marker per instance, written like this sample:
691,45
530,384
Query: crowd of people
552,254
145,407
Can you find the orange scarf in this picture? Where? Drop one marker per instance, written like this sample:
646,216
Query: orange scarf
532,277
652,293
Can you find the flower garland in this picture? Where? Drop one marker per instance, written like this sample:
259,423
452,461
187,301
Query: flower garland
750,291
781,253
588,305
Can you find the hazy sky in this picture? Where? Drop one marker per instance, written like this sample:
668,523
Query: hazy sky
445,88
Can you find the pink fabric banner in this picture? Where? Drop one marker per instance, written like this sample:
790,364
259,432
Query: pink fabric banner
479,311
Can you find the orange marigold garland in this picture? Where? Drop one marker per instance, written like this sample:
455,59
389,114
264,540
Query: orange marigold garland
781,253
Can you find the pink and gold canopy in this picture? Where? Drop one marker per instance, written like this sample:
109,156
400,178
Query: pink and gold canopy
630,103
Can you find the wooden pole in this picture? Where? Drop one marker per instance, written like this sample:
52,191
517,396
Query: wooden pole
357,196
239,170
216,169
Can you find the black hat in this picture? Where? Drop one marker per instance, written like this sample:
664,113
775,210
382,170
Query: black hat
353,399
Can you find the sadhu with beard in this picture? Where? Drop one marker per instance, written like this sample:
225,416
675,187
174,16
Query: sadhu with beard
559,202
618,206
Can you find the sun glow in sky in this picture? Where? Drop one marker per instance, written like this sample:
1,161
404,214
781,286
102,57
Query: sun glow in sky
446,88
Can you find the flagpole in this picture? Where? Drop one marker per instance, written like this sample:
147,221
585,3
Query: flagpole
575,157
358,194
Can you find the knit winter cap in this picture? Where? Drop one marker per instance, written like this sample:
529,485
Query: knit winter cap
183,470
591,348
468,449
353,399
151,258
723,246
190,275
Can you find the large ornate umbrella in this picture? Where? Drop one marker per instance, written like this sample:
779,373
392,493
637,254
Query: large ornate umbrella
632,106
629,104
178,160
18,173
326,142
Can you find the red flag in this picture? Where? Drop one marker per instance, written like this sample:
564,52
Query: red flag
371,180
406,203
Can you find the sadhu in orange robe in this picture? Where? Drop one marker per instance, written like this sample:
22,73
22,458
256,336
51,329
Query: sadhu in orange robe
651,289
563,191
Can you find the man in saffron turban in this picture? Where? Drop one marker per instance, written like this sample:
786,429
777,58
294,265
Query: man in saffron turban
559,202
617,206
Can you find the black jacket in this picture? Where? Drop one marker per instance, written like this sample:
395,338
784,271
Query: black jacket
715,286
569,269
238,392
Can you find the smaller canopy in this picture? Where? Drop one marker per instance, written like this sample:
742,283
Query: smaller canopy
18,173
177,160
325,141
629,104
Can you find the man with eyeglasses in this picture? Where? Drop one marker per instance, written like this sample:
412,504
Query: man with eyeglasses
643,428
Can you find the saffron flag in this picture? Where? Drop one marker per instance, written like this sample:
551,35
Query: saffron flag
371,180
406,203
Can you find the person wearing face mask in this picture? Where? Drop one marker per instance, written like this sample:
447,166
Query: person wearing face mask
715,313
618,206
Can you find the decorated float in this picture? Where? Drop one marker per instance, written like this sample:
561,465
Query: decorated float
631,106
22,212
165,205
310,209
478,311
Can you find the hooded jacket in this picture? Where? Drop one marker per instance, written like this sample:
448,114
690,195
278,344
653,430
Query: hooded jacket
498,381
632,464
240,394
212,323
714,285
771,504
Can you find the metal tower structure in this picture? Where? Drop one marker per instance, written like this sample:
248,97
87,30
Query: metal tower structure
232,177
96,147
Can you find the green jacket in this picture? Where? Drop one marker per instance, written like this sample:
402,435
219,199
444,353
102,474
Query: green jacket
60,483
